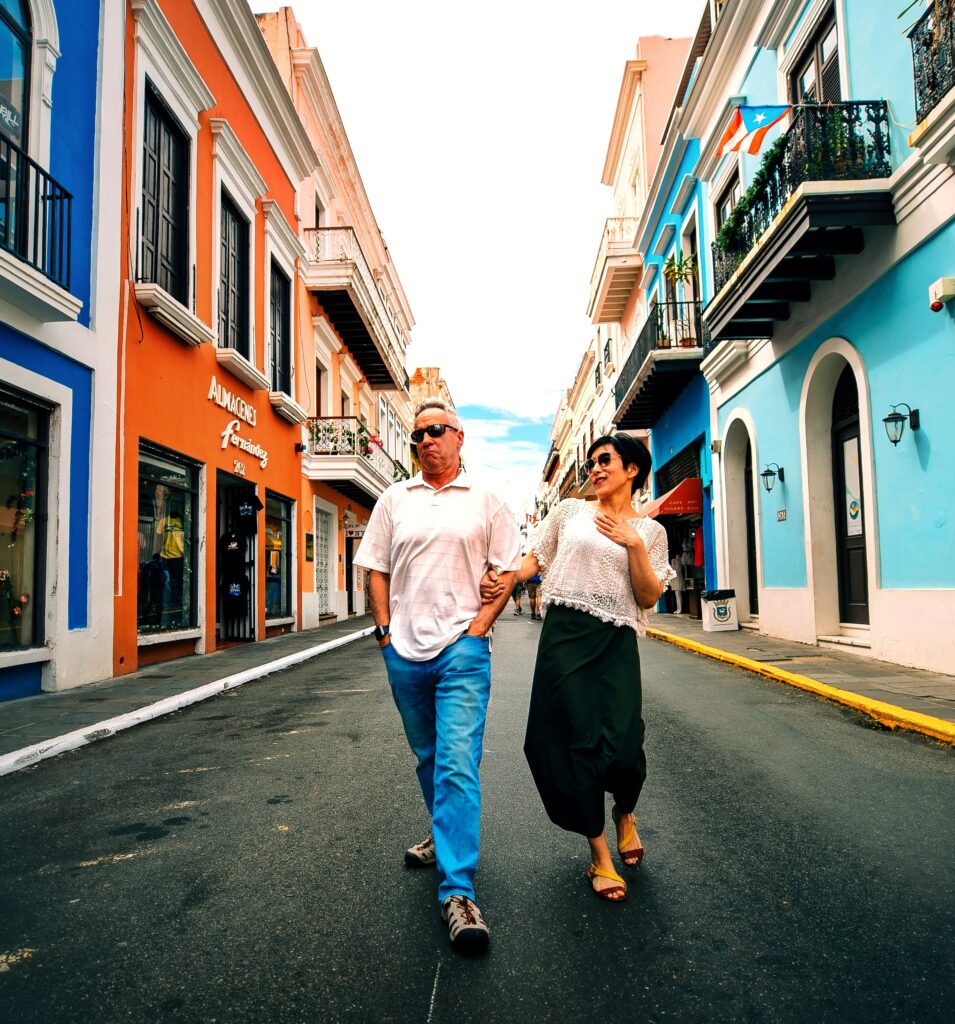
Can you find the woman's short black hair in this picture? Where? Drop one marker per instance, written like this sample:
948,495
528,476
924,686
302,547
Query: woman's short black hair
632,453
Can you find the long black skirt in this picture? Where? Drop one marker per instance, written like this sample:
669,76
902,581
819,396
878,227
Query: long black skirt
584,728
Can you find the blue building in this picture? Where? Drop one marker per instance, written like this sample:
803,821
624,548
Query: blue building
60,160
826,271
660,388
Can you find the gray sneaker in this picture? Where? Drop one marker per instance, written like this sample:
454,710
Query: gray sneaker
466,927
421,855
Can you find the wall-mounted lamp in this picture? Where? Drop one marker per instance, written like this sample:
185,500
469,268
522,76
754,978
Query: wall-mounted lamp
895,422
770,473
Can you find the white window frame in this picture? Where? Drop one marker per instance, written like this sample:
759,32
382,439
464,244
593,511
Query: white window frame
160,57
44,53
327,347
284,247
234,173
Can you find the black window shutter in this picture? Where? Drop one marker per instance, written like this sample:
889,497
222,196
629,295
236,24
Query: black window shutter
831,92
165,202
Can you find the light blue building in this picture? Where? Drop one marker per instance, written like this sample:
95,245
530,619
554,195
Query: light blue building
830,377
60,196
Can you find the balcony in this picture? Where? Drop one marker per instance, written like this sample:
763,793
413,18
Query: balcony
616,271
818,186
663,360
348,292
35,237
933,61
343,453
569,482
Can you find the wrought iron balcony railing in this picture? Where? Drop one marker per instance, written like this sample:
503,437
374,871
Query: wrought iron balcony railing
933,56
341,245
35,214
347,435
831,142
669,325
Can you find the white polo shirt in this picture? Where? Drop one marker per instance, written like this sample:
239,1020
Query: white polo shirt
436,545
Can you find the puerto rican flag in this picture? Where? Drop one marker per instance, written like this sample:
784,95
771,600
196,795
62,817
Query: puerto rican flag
748,128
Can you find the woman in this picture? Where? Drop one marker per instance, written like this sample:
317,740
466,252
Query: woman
602,566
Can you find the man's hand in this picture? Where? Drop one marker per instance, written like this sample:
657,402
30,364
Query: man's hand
482,622
491,587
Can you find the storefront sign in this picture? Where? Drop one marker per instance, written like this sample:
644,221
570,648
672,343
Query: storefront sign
355,531
224,398
231,436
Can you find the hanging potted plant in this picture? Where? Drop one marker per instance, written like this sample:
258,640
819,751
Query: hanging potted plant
680,269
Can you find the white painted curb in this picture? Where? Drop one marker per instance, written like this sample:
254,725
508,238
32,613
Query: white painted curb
18,759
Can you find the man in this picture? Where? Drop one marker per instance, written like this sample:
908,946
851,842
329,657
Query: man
428,543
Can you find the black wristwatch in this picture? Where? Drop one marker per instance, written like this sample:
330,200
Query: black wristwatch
381,632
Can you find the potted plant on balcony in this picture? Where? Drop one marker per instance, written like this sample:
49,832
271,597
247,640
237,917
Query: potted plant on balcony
680,269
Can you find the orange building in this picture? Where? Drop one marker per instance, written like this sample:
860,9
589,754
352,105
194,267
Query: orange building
209,460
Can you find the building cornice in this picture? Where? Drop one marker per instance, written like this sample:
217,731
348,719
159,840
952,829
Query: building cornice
156,36
622,118
276,222
226,146
261,83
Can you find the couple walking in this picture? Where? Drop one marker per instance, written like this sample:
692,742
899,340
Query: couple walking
443,556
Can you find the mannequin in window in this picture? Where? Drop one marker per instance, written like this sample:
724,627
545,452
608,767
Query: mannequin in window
171,541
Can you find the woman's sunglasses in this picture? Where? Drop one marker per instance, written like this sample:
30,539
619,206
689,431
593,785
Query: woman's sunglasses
435,430
603,460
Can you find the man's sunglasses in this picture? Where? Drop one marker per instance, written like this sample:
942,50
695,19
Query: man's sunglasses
603,460
435,430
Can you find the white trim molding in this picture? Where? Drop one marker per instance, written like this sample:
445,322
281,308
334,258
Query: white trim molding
240,367
173,314
287,407
235,173
160,57
285,247
34,293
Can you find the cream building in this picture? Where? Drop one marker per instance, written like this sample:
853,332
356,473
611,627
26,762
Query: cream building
358,407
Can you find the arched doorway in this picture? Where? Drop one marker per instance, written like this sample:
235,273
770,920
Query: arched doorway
847,492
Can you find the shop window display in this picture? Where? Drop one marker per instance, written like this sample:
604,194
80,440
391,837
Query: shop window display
23,432
278,568
167,495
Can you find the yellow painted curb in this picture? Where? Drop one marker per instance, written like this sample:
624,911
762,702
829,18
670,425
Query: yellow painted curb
888,715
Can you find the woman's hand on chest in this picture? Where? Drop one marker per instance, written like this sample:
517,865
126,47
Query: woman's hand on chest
620,532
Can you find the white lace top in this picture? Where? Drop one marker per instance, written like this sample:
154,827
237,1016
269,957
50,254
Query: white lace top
582,569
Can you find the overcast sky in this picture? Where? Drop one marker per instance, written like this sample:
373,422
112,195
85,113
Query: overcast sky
480,132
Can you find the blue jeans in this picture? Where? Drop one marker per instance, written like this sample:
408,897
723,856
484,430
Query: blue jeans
443,707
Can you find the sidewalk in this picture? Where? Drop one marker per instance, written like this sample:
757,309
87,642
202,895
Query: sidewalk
34,728
898,697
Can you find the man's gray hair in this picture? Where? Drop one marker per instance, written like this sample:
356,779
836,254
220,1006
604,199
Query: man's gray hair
439,403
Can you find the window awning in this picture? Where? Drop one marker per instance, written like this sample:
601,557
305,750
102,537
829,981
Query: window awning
685,499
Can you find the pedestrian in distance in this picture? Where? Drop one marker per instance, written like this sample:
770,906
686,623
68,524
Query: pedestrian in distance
427,545
533,588
602,567
516,595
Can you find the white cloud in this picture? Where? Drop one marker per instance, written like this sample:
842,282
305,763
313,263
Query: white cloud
509,466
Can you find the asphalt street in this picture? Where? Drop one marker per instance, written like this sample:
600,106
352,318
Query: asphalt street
242,861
